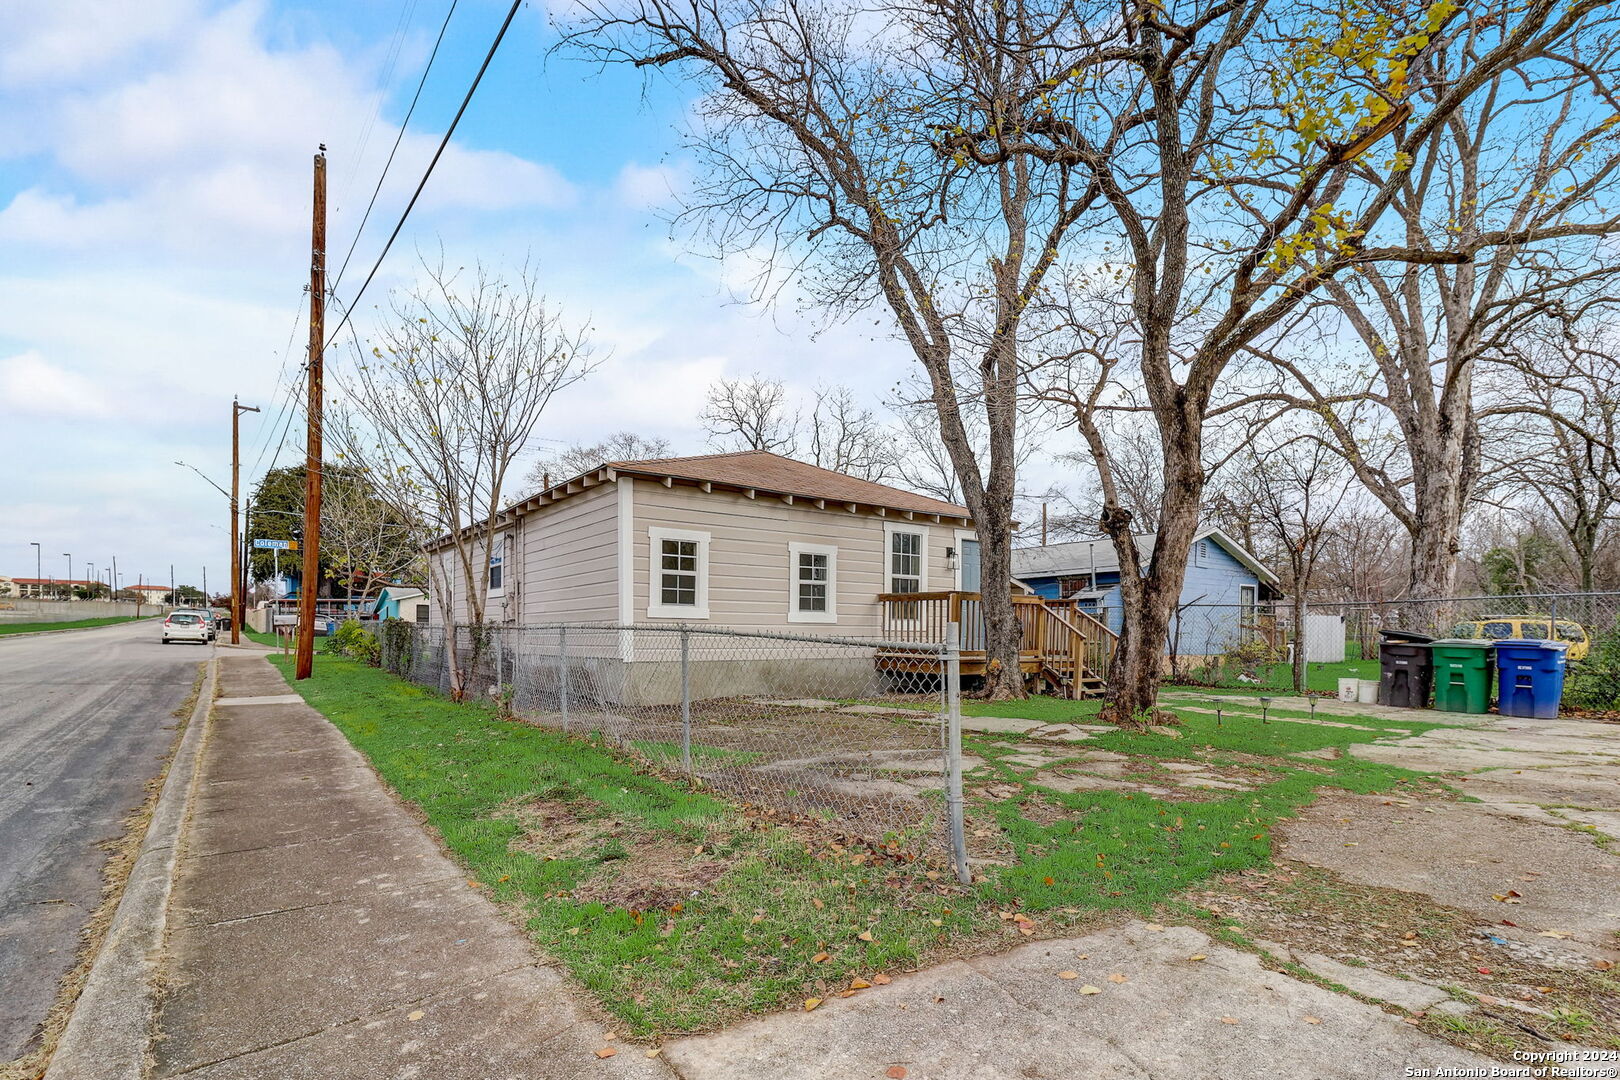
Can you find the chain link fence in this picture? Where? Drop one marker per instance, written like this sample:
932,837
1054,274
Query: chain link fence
858,737
1225,645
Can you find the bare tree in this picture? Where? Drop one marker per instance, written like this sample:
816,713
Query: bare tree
453,389
1515,191
1557,449
846,436
1294,489
583,457
750,414
836,150
1248,154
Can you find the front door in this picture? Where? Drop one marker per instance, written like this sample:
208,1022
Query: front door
968,560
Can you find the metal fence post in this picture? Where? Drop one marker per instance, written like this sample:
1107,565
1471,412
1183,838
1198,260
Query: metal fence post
1552,621
686,699
562,672
499,652
953,750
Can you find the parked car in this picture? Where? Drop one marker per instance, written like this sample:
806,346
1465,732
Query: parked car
187,626
1528,627
208,618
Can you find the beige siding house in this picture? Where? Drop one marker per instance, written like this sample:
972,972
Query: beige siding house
748,540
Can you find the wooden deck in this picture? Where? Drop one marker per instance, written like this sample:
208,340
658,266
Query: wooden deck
1061,647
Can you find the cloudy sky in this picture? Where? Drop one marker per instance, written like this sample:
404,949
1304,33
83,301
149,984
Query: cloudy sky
154,229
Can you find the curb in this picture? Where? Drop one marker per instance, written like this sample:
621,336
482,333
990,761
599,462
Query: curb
110,1030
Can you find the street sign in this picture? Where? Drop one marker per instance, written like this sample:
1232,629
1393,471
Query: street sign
276,545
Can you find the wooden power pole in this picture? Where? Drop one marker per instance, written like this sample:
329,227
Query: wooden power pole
238,601
310,584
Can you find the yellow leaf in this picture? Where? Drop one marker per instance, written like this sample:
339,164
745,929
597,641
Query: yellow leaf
1196,956
859,984
417,1015
1154,926
811,1003
1560,934
866,935
1067,975
1089,989
820,958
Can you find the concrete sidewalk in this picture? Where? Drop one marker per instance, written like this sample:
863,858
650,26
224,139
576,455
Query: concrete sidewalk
316,931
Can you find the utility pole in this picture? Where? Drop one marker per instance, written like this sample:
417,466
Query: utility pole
115,577
304,665
69,557
39,575
205,602
174,601
238,606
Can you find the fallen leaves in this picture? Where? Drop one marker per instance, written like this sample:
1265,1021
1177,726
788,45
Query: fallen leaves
1313,1019
606,1052
1069,975
820,958
1229,1020
1116,977
1603,965
895,1072
811,1003
1559,934
859,984
1509,897
865,935
1089,989
881,980
1197,956
417,1015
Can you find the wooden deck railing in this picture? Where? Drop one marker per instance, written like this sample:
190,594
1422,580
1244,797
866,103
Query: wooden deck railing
1053,632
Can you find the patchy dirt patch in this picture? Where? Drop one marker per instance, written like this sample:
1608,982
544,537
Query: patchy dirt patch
556,830
656,872
1544,878
1501,995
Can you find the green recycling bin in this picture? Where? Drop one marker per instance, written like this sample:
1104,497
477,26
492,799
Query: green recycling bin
1464,669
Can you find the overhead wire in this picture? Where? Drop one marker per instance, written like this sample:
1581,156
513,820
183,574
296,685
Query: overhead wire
437,154
398,138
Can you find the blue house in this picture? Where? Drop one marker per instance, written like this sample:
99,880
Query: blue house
1225,598
402,602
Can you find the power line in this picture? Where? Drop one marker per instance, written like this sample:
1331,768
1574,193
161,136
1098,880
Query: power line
496,44
395,149
407,12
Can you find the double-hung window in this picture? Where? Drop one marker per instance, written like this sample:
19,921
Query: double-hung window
497,569
905,564
812,583
679,580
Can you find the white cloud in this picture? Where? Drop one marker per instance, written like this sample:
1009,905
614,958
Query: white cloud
649,187
53,41
32,387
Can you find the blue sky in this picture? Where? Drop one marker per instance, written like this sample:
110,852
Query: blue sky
154,202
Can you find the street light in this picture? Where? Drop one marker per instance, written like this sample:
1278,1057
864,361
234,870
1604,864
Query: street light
39,574
69,557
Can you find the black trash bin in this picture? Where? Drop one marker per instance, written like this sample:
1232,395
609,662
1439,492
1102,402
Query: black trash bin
1405,637
1406,674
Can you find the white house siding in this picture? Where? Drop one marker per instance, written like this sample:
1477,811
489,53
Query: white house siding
567,564
749,565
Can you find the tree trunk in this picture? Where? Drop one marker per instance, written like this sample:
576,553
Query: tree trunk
1150,598
1003,679
1299,634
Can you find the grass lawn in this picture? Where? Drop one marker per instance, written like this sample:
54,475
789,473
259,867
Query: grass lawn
682,912
72,624
1321,678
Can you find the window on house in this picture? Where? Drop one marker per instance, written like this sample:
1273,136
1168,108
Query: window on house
812,583
678,579
679,582
905,562
422,613
497,556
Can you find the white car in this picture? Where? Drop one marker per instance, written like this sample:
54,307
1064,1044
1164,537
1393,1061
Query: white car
187,626
209,619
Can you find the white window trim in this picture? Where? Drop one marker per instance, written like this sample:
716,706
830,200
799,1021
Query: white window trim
656,609
497,543
889,529
794,615
961,535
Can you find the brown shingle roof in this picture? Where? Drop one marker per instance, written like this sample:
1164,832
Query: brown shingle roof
765,471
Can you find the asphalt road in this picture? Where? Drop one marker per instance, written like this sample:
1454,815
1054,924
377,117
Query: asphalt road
86,720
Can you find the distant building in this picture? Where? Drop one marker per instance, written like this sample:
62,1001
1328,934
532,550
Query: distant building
34,588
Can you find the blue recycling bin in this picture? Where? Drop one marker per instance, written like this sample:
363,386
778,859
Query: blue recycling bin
1530,677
